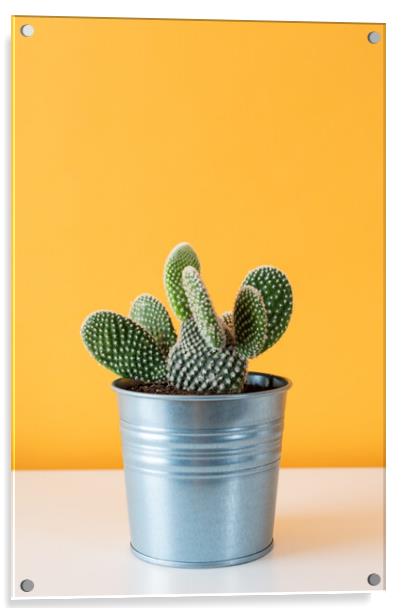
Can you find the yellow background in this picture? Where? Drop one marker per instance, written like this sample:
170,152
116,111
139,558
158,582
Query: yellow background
258,143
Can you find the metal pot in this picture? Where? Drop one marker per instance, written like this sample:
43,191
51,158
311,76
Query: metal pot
201,472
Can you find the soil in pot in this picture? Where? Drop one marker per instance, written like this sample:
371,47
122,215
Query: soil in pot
168,389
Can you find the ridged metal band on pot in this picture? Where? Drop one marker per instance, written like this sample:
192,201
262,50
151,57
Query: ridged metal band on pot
201,472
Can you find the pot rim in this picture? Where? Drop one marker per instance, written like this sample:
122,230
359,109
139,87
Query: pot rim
287,384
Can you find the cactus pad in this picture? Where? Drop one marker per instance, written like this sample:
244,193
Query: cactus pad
250,322
152,315
123,346
194,366
181,256
277,294
202,310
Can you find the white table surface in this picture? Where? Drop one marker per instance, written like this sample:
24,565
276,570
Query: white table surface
71,537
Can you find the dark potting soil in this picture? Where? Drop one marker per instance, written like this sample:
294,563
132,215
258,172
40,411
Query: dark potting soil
167,389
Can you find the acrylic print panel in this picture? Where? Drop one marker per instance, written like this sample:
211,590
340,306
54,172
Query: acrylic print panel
257,143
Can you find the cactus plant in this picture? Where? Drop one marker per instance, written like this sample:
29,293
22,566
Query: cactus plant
211,353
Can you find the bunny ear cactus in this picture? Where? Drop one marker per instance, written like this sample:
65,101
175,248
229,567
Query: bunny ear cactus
123,346
210,354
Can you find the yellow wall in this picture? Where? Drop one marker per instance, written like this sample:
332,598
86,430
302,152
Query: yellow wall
258,143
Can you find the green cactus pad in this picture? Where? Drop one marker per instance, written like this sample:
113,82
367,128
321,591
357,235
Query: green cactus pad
202,310
152,315
123,346
250,322
277,293
181,256
195,366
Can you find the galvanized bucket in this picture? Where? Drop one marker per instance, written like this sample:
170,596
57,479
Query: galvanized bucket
201,472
